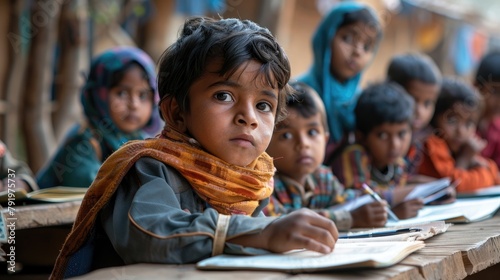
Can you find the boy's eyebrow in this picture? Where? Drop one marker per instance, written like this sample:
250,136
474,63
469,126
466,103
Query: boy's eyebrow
237,85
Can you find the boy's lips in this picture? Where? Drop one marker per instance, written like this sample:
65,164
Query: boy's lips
305,160
243,139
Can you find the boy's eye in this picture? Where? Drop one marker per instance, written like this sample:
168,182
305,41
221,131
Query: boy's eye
313,132
286,135
428,103
451,120
264,106
122,93
223,96
402,133
383,135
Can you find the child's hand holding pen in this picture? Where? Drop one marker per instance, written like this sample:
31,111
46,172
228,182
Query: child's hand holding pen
375,196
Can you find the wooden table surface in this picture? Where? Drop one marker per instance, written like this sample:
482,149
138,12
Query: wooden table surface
43,215
463,250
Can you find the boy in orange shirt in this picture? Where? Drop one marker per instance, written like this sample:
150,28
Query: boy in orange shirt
454,149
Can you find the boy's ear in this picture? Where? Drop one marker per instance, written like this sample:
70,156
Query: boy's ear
173,114
327,137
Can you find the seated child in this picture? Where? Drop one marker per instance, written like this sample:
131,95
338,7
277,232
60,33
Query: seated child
344,44
384,114
454,149
198,189
421,78
487,81
14,174
119,103
298,148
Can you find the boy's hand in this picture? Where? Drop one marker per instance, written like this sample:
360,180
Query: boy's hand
408,209
301,229
369,215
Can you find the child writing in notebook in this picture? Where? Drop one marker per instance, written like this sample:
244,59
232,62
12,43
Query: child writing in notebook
298,148
119,102
384,114
421,78
199,188
487,81
454,149
343,45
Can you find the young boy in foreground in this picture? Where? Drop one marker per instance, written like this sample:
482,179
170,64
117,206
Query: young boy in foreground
198,189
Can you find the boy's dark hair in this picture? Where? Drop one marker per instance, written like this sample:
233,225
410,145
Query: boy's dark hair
365,16
306,102
488,69
454,91
203,40
412,66
381,103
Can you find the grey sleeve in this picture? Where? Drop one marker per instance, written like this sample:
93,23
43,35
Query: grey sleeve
156,217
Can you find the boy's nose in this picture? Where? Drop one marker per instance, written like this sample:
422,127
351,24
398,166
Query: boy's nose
246,116
303,142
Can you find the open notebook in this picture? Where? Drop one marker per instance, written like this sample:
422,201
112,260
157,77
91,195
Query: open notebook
54,194
345,255
465,210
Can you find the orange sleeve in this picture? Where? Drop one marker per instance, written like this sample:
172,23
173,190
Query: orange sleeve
438,162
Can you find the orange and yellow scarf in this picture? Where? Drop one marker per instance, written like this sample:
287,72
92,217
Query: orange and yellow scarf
227,188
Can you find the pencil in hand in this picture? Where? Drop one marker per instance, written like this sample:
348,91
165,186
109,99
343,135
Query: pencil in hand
375,196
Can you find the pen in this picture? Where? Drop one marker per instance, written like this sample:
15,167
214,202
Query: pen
377,198
378,233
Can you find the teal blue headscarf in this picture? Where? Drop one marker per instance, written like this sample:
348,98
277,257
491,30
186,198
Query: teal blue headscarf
339,98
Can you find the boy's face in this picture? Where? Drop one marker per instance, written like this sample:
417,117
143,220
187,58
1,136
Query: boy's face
352,49
298,145
425,96
491,96
387,143
131,101
457,125
232,119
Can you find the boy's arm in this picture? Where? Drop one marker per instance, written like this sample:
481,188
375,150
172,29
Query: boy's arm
155,216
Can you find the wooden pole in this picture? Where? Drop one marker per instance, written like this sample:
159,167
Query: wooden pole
73,62
37,122
19,39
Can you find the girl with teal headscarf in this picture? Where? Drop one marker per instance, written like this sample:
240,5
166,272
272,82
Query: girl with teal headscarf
343,44
119,102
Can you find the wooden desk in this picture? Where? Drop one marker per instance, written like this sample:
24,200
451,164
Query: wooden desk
41,230
44,215
463,250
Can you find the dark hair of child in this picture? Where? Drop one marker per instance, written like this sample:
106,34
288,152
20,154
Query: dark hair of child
409,67
383,103
200,44
364,16
304,102
118,75
489,69
454,92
